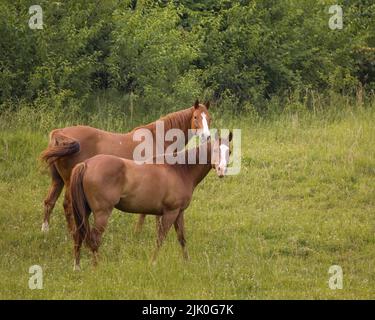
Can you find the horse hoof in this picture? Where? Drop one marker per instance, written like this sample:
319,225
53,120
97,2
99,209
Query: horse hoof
45,227
76,267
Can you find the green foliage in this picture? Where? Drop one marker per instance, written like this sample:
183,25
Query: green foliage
58,62
152,56
166,53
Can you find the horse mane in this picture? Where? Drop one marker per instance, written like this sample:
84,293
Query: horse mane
178,120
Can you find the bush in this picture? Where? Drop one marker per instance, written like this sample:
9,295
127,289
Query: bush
164,54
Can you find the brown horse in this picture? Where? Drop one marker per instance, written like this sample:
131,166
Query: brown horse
71,145
104,182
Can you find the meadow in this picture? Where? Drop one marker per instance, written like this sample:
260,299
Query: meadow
303,201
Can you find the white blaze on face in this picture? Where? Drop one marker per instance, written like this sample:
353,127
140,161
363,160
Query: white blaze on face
206,130
224,151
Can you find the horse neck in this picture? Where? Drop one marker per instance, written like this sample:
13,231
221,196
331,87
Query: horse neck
179,120
176,120
197,172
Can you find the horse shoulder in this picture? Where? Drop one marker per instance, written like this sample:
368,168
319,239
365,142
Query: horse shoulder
179,190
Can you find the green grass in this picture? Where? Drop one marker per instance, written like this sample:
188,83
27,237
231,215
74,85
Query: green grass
304,200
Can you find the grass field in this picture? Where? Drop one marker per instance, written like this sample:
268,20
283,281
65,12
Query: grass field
304,200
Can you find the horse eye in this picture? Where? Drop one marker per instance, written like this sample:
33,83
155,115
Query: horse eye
195,117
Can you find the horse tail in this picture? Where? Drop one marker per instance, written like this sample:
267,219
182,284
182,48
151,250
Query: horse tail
59,146
80,206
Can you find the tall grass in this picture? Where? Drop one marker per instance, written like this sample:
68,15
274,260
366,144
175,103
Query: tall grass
304,201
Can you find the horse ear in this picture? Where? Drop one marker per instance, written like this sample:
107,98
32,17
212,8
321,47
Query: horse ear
230,136
207,104
196,104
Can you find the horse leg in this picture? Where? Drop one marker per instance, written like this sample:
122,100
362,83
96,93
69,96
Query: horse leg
157,222
139,225
141,220
68,210
165,223
101,218
54,192
179,226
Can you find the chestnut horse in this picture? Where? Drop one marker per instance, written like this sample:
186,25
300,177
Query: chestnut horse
105,182
71,145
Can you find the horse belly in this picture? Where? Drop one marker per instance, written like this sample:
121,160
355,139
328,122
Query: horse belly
140,204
